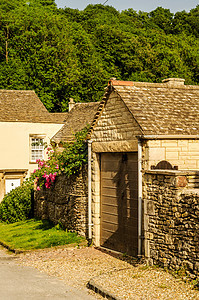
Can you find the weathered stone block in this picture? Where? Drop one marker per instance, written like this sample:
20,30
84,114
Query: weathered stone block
150,208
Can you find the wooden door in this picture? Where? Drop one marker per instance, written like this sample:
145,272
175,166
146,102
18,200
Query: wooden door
119,202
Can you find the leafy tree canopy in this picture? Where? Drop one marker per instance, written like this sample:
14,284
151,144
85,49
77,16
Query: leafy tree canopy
63,53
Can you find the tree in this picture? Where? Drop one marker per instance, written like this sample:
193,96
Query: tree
163,18
63,53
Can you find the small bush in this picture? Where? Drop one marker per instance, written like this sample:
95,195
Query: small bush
17,205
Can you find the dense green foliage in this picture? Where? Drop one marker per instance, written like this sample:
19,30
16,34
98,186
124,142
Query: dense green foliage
17,205
62,53
36,234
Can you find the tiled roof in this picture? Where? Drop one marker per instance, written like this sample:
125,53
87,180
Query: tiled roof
59,117
23,106
81,114
168,108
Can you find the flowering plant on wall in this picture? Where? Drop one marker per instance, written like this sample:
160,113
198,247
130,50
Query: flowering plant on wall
70,161
47,171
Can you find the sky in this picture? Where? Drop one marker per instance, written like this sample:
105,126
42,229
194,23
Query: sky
143,5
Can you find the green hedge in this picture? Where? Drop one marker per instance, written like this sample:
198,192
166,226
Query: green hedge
17,205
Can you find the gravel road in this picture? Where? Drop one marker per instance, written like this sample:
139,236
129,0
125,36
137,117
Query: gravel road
123,279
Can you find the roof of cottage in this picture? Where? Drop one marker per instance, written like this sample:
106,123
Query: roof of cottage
81,114
59,117
23,106
168,108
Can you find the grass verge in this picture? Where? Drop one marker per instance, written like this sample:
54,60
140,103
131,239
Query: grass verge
36,234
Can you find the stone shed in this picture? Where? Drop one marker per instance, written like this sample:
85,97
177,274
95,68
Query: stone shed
144,167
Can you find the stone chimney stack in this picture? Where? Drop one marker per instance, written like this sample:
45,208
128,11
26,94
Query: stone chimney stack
174,82
71,104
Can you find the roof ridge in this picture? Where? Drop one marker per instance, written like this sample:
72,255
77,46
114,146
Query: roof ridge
116,83
165,85
3,90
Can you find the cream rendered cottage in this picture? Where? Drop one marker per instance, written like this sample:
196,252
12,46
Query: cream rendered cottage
25,126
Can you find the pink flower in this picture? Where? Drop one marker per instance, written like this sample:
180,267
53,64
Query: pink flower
34,170
49,148
38,188
57,167
47,185
48,179
39,168
41,163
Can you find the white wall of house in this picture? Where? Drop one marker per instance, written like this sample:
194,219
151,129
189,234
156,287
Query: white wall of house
15,143
15,149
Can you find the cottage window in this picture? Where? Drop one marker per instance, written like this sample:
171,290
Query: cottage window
37,148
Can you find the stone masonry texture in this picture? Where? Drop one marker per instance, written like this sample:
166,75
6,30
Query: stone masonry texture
183,153
171,220
116,123
65,202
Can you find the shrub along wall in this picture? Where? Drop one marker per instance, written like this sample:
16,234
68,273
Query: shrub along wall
65,202
171,220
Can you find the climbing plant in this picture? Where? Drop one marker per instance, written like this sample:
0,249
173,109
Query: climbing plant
69,161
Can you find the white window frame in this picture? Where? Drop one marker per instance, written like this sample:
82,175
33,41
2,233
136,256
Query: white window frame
36,148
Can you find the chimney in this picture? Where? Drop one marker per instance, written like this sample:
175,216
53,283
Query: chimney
174,82
71,104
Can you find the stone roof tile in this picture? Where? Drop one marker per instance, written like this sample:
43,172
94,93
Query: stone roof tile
23,106
163,108
168,108
81,114
59,117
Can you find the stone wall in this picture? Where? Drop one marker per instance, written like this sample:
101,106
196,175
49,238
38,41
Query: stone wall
171,220
65,202
183,153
